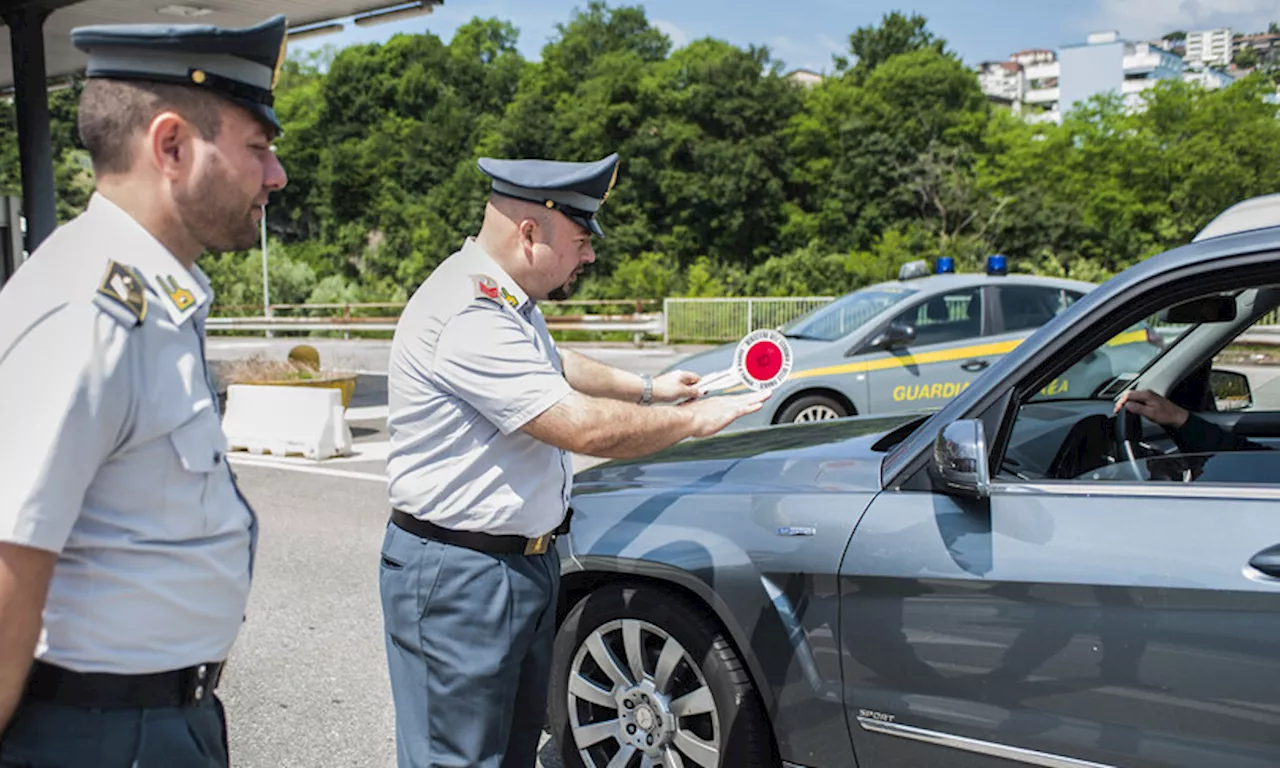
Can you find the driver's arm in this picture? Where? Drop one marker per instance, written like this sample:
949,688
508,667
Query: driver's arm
1191,433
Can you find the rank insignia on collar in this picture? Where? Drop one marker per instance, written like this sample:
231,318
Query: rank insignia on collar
486,286
510,299
181,297
123,289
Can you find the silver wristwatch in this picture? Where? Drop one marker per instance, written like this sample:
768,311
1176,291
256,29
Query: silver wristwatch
646,397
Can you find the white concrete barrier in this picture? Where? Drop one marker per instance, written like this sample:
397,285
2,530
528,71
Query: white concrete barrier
283,421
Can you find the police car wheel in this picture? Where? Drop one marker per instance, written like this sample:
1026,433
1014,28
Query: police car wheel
812,408
639,674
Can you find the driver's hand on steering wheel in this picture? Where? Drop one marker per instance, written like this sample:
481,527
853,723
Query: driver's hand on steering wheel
1155,408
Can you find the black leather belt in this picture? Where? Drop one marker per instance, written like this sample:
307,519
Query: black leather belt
101,690
483,542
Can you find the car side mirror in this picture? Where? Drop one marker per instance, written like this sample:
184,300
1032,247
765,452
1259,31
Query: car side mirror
1231,390
960,459
896,335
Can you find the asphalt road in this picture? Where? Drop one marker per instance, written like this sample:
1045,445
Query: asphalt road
307,682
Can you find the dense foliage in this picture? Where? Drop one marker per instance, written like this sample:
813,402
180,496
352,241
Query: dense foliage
735,180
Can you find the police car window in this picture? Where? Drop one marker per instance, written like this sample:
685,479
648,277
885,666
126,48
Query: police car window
947,317
846,314
1027,307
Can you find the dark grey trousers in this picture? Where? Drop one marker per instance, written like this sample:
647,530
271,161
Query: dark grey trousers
469,639
54,736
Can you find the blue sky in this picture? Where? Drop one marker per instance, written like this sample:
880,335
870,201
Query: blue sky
805,33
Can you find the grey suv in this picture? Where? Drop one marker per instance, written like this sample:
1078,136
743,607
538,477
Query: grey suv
1024,576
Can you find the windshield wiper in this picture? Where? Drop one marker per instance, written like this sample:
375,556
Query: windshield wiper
804,336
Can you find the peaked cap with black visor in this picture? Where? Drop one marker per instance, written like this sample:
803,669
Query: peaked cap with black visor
242,64
576,190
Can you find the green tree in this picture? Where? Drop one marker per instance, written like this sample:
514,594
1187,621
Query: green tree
896,34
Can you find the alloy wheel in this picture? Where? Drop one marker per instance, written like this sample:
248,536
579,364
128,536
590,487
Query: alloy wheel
637,699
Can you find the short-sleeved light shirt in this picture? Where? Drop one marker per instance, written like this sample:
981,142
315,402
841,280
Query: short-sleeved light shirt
113,453
471,363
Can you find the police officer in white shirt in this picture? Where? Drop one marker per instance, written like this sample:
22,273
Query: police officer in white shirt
125,548
484,413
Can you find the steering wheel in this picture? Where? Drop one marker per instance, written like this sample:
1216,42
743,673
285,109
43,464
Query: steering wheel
1128,436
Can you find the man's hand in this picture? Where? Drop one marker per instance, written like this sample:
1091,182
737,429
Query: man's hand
676,386
715,413
1152,406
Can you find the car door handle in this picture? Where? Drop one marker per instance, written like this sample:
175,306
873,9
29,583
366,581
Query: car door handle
1268,561
974,365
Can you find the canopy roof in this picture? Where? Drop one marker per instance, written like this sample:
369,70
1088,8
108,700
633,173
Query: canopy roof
63,59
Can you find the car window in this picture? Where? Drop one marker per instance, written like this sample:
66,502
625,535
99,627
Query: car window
1027,307
1068,430
846,314
946,317
1122,357
1253,361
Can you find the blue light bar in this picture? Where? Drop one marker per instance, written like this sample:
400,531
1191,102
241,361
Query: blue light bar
946,265
997,265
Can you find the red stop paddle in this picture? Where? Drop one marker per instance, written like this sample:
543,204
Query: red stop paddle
761,362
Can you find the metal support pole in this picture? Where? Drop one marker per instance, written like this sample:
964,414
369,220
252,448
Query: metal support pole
35,145
266,293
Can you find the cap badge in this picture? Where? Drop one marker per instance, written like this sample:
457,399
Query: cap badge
275,77
612,181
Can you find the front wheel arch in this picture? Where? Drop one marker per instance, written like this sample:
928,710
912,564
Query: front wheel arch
831,394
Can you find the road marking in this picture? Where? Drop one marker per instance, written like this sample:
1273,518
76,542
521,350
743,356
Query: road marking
342,474
368,413
372,450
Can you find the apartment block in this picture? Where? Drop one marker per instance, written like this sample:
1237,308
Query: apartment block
1211,47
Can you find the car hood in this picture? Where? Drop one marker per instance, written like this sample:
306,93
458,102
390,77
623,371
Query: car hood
721,357
837,455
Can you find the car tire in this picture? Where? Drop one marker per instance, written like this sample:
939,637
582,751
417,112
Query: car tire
812,408
734,721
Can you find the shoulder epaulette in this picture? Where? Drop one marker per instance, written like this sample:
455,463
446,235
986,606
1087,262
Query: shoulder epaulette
121,295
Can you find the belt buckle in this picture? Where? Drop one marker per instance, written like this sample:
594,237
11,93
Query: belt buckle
537,546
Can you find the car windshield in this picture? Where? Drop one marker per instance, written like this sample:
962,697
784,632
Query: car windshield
845,314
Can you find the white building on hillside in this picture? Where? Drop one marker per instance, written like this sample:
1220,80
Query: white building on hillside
805,77
1003,81
1209,46
1054,82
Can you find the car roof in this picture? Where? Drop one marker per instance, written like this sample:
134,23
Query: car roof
953,281
1255,213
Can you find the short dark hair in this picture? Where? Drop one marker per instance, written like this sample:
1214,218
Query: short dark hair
111,111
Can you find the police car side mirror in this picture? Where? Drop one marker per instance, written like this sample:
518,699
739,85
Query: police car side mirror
960,459
896,335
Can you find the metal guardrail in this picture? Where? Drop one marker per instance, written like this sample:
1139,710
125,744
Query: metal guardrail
682,319
729,319
351,318
644,323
